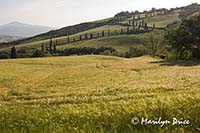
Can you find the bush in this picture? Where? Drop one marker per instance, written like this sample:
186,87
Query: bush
136,51
4,56
87,51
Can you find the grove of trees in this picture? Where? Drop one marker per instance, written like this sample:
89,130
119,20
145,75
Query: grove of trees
185,40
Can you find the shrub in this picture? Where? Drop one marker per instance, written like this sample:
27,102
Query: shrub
136,51
4,56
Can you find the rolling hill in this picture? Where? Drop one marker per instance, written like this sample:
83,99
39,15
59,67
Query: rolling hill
22,30
163,19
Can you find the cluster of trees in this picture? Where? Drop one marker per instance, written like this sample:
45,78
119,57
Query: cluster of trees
33,52
88,51
185,40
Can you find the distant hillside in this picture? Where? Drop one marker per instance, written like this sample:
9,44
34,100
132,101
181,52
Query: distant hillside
163,19
6,38
22,30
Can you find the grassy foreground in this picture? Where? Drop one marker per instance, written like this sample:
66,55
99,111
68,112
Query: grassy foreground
96,94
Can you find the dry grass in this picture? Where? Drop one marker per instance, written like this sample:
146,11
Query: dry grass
95,94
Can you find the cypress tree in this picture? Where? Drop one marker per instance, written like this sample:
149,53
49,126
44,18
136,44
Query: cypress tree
143,23
68,39
91,36
80,38
146,26
122,31
42,47
154,26
139,24
13,54
86,37
129,23
108,32
103,33
133,23
50,45
54,48
128,29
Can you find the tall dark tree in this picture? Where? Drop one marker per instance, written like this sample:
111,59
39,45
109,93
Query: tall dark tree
86,36
68,39
140,24
103,33
108,32
13,53
145,26
133,23
154,26
80,38
122,31
128,29
54,48
50,45
143,23
42,47
91,36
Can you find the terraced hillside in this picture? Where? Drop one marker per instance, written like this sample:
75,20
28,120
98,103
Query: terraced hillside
97,94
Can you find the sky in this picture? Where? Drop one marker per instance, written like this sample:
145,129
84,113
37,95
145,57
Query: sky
60,13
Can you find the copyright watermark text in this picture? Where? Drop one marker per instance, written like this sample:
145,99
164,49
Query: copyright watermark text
159,121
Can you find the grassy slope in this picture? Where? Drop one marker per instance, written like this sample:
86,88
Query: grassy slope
96,94
160,21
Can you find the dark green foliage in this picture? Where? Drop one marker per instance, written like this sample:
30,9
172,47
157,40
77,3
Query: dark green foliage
145,26
128,29
133,23
86,36
136,51
38,53
50,46
42,47
54,48
122,31
68,39
97,34
4,56
154,26
91,36
186,39
108,32
13,54
143,23
103,34
140,24
87,50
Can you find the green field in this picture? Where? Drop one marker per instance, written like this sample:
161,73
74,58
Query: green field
97,94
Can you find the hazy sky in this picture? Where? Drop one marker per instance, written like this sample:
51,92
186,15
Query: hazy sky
59,13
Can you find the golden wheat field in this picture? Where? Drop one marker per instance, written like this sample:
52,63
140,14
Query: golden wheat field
97,94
